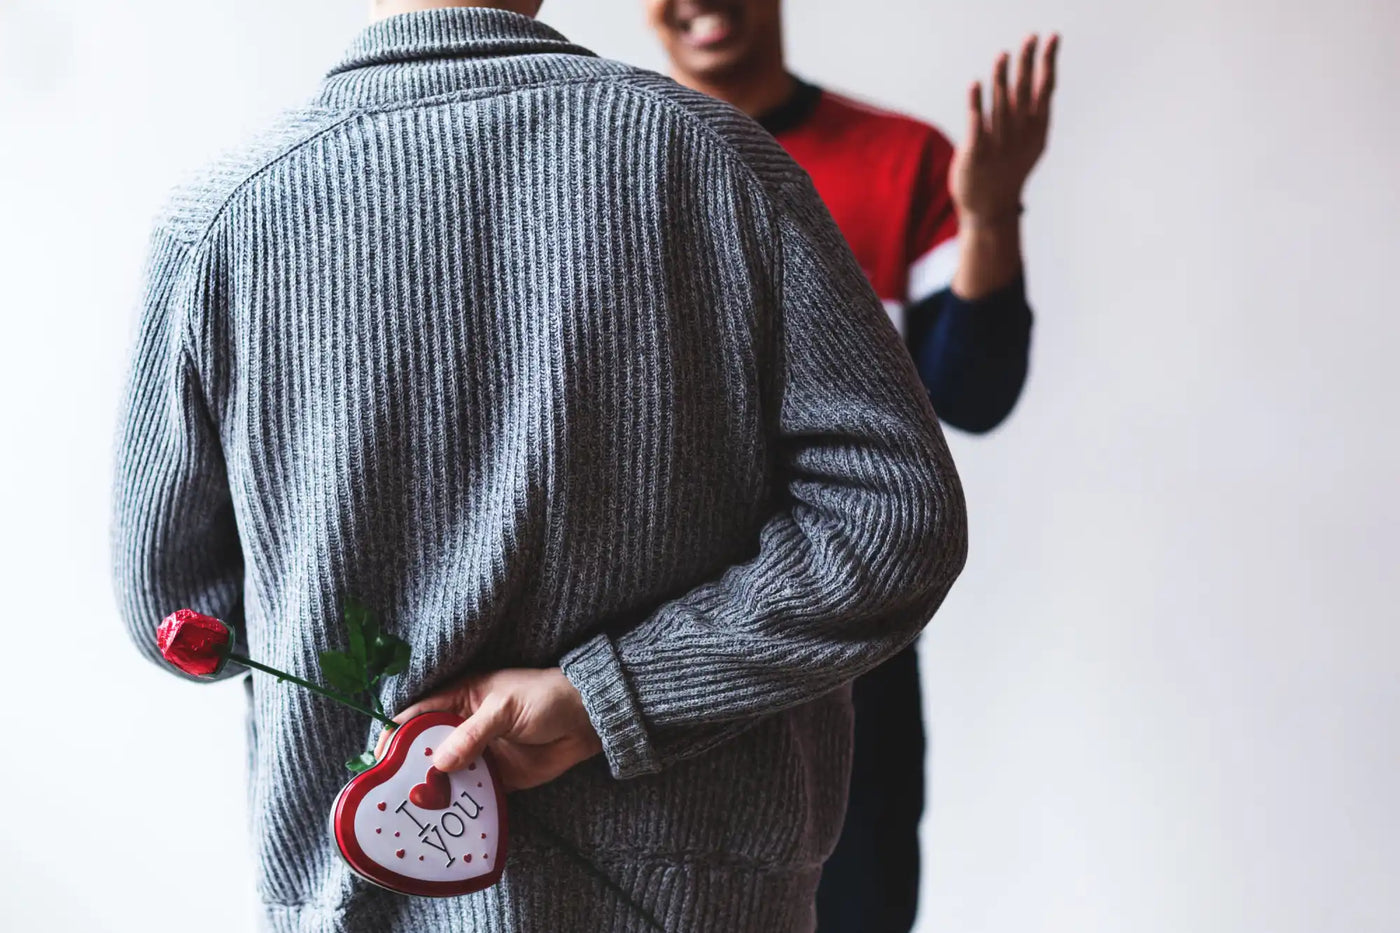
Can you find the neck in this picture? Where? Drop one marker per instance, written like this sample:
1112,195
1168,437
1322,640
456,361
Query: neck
755,92
383,9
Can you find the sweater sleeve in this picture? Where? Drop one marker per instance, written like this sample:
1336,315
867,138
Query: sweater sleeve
175,544
868,533
972,355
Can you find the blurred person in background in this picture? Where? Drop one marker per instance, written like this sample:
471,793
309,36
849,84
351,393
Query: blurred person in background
937,231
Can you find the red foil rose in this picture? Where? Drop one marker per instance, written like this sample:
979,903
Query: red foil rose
197,644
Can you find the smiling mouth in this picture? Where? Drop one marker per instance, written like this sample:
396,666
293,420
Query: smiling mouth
708,30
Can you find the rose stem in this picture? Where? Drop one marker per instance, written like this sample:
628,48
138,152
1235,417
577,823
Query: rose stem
314,688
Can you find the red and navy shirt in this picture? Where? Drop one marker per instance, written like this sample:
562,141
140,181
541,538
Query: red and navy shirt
884,177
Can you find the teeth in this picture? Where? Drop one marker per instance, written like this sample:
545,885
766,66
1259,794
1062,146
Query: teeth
708,27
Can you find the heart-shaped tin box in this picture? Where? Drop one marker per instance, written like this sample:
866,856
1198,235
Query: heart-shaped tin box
406,826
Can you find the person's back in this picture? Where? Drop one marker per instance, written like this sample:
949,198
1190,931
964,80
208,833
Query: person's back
545,360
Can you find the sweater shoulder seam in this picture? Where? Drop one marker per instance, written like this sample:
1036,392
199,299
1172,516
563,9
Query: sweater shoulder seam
753,181
197,243
751,176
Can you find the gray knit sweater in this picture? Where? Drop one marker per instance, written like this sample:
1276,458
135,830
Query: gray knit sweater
550,362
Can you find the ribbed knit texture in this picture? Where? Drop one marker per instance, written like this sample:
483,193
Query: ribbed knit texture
549,361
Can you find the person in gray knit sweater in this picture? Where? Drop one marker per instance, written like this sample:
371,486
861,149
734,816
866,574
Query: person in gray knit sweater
567,373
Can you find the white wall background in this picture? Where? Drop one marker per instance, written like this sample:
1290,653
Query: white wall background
1166,694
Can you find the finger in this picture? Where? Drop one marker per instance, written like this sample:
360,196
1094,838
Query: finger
388,733
490,721
454,702
517,766
1025,74
1045,83
999,96
976,122
382,745
457,701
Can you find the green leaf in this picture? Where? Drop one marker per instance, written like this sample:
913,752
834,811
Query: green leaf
356,617
384,650
371,625
361,763
400,662
343,672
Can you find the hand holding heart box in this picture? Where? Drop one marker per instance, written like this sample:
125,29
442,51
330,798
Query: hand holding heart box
400,823
408,827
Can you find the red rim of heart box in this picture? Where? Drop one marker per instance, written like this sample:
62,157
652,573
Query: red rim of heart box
354,794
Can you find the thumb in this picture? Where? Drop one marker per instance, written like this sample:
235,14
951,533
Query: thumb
490,721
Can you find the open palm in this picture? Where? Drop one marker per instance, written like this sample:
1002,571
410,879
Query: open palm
990,168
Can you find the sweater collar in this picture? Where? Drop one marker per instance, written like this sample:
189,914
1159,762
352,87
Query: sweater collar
793,112
452,33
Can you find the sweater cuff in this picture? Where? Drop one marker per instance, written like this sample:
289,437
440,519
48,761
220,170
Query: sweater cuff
1001,318
596,672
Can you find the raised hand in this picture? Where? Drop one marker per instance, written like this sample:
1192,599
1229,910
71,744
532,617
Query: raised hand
533,721
991,166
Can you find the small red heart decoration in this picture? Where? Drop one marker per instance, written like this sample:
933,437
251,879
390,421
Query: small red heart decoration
435,793
436,814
